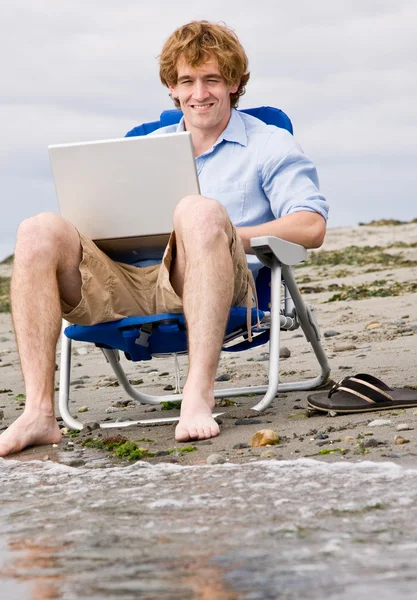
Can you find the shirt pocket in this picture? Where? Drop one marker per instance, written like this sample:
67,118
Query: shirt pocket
232,196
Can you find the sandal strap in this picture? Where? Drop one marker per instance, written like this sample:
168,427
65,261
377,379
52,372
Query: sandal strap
368,389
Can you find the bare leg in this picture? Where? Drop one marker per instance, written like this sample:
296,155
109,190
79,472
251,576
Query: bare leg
47,257
203,276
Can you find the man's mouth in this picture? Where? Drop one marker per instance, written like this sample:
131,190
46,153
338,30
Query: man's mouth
201,106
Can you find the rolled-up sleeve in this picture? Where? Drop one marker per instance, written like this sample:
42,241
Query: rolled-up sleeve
289,179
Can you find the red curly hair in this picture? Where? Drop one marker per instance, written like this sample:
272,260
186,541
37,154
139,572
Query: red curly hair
196,43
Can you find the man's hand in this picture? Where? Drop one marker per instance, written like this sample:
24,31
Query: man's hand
305,228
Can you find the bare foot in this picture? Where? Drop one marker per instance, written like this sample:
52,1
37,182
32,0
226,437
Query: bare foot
196,422
29,430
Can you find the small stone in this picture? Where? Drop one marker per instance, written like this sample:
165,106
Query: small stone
215,459
75,462
344,348
169,387
248,422
240,452
65,430
398,439
81,351
370,443
398,322
223,377
240,446
83,409
379,423
91,426
330,333
45,458
373,325
1,415
321,436
284,352
268,454
404,427
122,403
264,437
348,438
332,413
112,409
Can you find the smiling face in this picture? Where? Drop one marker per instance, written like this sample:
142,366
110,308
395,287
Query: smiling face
204,96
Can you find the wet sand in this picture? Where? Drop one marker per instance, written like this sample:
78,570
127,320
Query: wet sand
375,335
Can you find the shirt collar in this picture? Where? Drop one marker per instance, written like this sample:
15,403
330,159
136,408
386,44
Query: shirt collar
234,132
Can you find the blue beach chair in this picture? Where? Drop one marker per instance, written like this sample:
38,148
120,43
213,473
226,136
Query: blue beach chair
281,307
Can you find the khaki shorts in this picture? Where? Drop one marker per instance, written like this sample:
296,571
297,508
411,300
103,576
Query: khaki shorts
112,290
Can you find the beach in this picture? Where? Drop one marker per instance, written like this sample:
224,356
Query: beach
363,286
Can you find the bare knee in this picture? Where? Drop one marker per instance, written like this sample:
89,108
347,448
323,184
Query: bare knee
47,237
202,219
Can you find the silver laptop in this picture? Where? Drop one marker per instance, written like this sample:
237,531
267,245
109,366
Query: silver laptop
122,193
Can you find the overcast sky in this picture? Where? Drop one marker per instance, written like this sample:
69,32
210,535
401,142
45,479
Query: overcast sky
343,70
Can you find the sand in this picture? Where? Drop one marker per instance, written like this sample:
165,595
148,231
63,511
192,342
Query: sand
376,335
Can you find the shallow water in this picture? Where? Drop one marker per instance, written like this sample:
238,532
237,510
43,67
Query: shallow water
263,530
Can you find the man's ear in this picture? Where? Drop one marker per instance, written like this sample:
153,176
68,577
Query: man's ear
172,92
235,87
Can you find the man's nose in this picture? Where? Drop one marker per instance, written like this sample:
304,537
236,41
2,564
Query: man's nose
200,90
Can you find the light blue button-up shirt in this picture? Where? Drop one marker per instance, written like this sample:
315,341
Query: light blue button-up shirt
258,172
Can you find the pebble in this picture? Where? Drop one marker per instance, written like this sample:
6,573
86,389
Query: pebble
344,348
321,436
75,462
1,415
264,437
373,325
223,377
268,454
81,351
112,409
45,458
169,387
83,409
398,439
248,421
379,423
348,438
284,352
215,459
404,427
330,333
398,322
90,426
370,443
240,446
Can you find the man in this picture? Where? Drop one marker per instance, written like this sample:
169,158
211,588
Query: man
252,175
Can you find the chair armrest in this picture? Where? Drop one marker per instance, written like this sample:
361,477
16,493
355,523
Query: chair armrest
287,253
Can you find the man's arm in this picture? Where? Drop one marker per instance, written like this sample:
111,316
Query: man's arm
304,227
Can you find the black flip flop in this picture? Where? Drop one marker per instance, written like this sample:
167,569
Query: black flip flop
362,393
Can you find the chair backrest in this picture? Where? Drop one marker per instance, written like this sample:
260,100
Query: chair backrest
267,114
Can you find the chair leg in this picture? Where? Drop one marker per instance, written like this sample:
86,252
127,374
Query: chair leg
64,382
309,327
